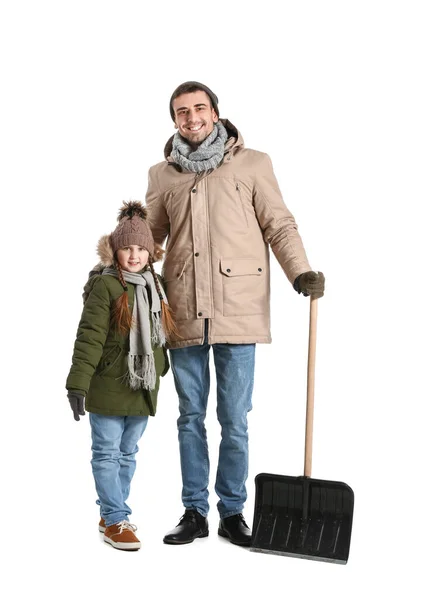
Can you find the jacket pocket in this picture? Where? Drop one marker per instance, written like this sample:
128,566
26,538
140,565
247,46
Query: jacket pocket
175,288
243,286
109,361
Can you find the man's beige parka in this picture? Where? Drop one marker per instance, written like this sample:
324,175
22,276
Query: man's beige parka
219,226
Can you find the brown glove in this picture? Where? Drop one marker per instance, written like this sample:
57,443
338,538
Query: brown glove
311,283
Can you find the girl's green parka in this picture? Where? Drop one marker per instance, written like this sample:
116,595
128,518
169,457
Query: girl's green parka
99,364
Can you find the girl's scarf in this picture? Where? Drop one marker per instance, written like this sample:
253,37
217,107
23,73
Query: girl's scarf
208,155
146,318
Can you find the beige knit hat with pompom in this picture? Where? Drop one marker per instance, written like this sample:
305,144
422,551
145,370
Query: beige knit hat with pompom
133,228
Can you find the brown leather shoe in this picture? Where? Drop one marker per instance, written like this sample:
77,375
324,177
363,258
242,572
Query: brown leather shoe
102,525
121,536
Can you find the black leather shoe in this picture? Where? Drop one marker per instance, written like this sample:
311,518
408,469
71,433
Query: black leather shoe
236,530
191,526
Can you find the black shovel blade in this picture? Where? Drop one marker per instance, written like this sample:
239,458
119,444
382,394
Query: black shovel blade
302,517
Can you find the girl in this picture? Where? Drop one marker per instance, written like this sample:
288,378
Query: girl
119,356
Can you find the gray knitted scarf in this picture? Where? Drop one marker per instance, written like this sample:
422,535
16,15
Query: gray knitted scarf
146,318
207,156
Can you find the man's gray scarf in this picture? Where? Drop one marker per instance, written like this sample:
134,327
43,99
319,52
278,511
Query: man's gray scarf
141,362
207,156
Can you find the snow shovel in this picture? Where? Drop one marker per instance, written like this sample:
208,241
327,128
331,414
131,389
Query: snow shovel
301,516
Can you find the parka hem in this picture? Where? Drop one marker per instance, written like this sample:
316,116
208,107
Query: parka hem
119,413
229,339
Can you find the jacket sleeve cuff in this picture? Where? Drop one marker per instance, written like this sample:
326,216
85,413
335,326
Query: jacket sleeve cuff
78,392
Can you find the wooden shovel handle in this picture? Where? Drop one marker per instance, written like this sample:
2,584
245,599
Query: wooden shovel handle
310,387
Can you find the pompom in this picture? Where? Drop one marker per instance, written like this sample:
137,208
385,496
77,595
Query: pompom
132,208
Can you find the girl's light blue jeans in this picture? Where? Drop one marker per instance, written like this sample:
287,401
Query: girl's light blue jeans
114,447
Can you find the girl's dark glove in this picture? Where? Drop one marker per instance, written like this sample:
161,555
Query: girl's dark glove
310,284
76,400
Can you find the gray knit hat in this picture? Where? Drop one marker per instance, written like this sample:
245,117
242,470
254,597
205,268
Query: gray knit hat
185,88
133,228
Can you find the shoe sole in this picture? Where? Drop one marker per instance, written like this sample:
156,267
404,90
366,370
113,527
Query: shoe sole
225,535
101,529
177,543
123,545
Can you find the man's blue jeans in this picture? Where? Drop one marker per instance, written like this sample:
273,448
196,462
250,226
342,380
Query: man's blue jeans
114,447
234,364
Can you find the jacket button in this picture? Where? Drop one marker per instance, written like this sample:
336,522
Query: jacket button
200,314
228,270
259,269
197,253
194,191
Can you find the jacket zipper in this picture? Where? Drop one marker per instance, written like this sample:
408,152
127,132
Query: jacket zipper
237,187
201,179
210,254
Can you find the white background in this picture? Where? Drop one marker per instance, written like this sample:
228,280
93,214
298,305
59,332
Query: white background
337,93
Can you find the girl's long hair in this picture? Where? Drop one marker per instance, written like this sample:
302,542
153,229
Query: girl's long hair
167,316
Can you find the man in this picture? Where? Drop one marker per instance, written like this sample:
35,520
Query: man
219,207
